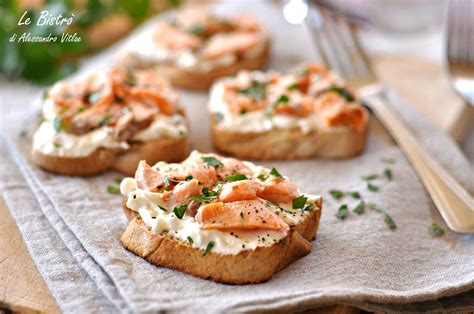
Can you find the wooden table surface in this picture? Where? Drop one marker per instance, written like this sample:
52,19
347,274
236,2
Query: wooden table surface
22,289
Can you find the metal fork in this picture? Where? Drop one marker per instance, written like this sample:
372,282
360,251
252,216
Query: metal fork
460,47
339,48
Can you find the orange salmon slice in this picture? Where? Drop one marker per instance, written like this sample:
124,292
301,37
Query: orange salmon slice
248,215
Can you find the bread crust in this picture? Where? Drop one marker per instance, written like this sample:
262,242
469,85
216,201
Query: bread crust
246,267
342,142
125,161
200,80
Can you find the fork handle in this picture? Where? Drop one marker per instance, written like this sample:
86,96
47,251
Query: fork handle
454,203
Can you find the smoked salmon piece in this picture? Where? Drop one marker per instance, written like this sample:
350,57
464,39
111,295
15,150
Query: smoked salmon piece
239,215
229,44
279,191
147,178
174,38
240,191
185,190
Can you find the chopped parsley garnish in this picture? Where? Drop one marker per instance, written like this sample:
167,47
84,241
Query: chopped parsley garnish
209,247
374,207
212,161
180,210
299,202
166,181
372,188
370,177
118,180
309,207
262,177
388,160
188,178
57,123
354,194
343,92
23,133
81,109
275,173
435,230
190,240
197,29
206,195
342,212
162,208
388,174
256,91
389,221
336,194
359,209
130,80
236,177
283,99
293,87
218,116
112,189
57,144
92,98
105,119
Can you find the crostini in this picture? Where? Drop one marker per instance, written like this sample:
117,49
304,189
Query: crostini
110,119
218,218
195,48
309,112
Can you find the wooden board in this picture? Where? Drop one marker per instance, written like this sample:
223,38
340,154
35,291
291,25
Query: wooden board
22,288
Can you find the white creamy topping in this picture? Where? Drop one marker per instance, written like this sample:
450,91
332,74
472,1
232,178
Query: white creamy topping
48,141
161,220
256,121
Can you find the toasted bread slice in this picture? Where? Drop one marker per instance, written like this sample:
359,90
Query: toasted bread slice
288,144
246,267
171,150
198,80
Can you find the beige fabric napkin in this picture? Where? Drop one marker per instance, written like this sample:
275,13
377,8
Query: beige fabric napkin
355,261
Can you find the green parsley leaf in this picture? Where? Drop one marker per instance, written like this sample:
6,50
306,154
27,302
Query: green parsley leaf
197,29
388,174
180,210
57,123
374,207
212,161
275,173
81,109
372,188
166,181
190,240
370,177
293,87
188,178
359,209
389,221
262,177
105,119
236,177
130,80
435,230
388,160
283,99
354,194
209,247
336,194
118,180
23,133
309,207
112,189
256,91
299,202
92,98
343,92
342,212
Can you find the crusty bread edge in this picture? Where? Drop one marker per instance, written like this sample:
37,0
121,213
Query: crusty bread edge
125,161
281,144
251,266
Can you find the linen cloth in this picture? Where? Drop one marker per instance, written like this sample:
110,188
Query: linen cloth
357,261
